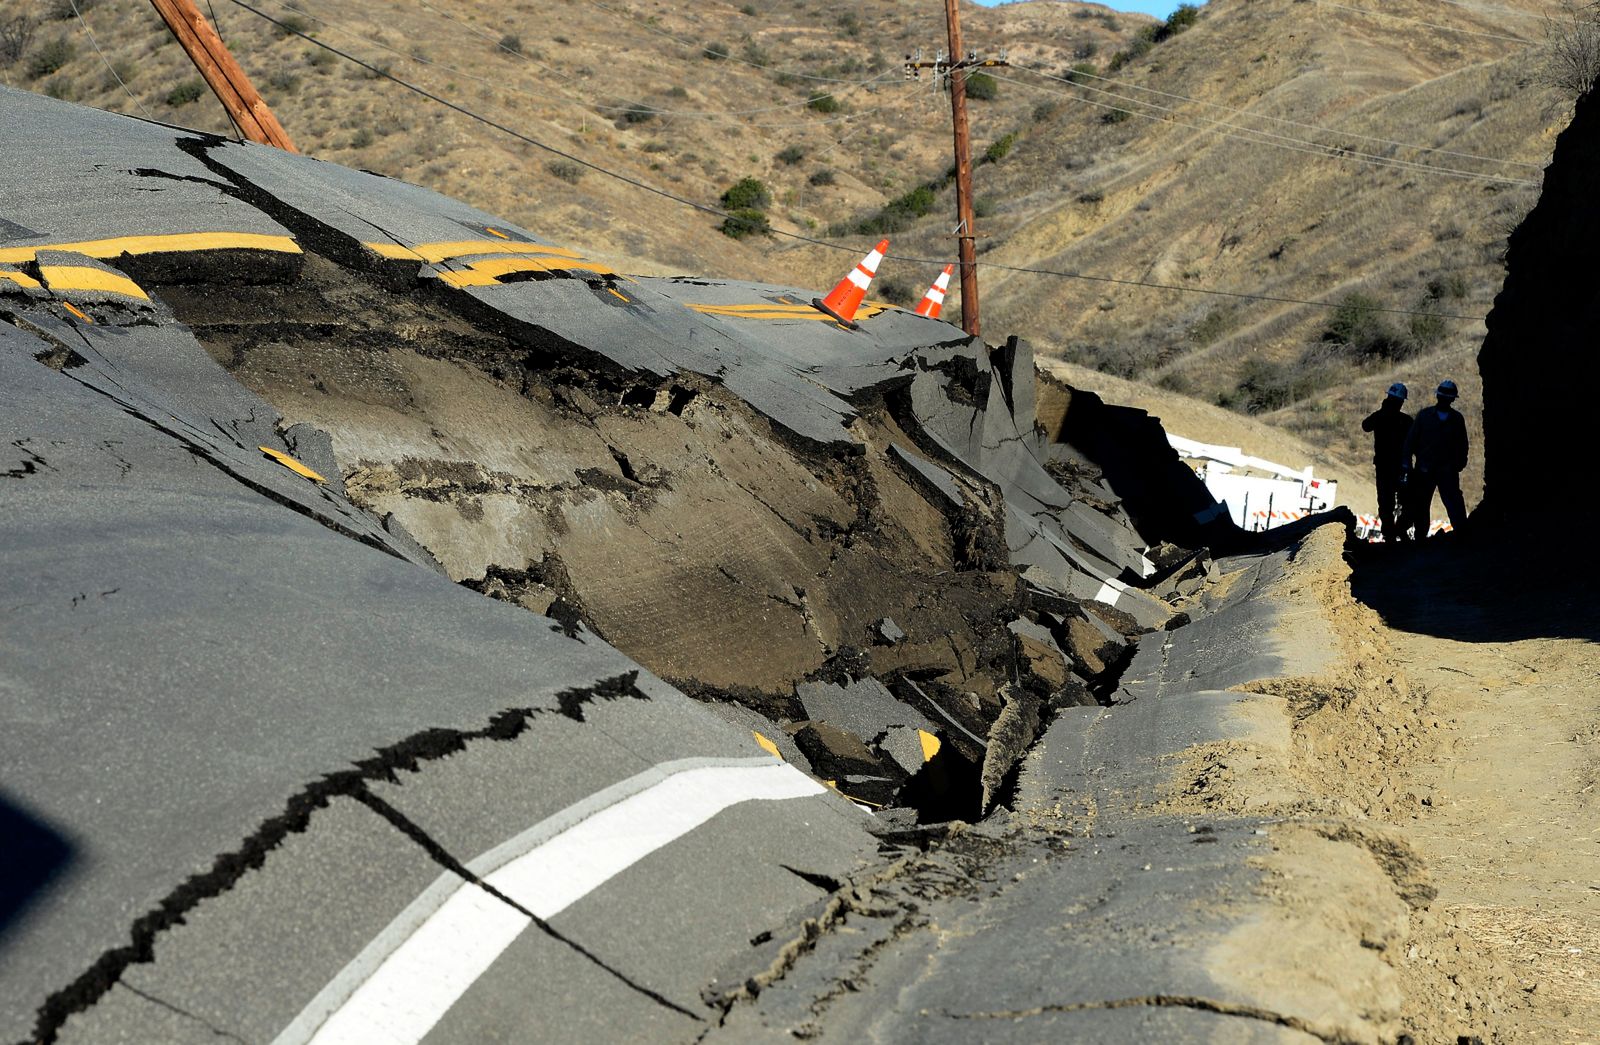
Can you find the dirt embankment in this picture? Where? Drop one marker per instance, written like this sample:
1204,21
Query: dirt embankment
1464,769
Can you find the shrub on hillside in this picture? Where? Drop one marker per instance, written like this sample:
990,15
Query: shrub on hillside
716,51
900,213
983,87
566,170
791,155
1215,323
1178,21
283,81
1151,35
1425,331
635,113
825,176
1265,386
1452,286
823,102
1082,72
1359,328
51,57
1000,148
289,25
186,92
511,44
1115,115
746,222
16,33
747,194
61,10
895,292
1571,60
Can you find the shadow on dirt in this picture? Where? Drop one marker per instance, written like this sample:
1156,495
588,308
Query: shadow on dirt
1474,590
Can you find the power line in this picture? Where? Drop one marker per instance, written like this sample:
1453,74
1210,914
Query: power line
1430,25
1269,138
1275,119
799,237
107,62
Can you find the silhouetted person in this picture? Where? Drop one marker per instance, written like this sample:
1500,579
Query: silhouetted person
1390,425
1438,446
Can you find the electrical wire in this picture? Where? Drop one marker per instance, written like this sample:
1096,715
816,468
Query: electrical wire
1430,25
799,237
1071,80
1270,138
107,62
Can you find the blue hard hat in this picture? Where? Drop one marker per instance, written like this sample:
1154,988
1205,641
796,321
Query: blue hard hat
1447,389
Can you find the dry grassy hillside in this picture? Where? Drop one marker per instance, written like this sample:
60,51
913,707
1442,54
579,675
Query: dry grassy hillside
689,97
1233,178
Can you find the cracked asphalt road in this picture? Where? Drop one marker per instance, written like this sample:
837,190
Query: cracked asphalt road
282,781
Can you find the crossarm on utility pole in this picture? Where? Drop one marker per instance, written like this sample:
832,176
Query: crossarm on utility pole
223,73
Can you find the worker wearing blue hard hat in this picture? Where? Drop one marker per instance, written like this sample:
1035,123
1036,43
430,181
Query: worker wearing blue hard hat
1389,425
1435,453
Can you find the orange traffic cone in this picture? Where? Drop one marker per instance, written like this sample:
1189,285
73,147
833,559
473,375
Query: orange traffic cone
933,300
842,302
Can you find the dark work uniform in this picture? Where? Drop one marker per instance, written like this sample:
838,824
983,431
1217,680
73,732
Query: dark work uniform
1389,426
1438,442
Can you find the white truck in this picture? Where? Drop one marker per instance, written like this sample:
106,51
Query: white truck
1259,494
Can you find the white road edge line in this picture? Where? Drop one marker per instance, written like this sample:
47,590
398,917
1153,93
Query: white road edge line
410,975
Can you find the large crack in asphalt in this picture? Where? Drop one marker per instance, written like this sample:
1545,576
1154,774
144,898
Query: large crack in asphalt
406,755
1181,1001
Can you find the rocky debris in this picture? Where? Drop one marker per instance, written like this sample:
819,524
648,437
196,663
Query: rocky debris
1014,729
887,632
1039,654
1093,642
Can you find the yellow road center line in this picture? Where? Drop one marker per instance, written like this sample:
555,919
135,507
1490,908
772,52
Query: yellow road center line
618,293
488,272
495,232
174,243
930,744
768,746
81,277
75,310
437,252
291,464
21,279
770,311
862,801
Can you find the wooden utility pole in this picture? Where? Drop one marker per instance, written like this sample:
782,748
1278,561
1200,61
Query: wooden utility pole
953,69
223,73
966,235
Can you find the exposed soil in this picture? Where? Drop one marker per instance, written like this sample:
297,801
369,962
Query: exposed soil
1505,814
1465,766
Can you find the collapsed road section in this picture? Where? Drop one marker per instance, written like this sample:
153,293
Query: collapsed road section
276,428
